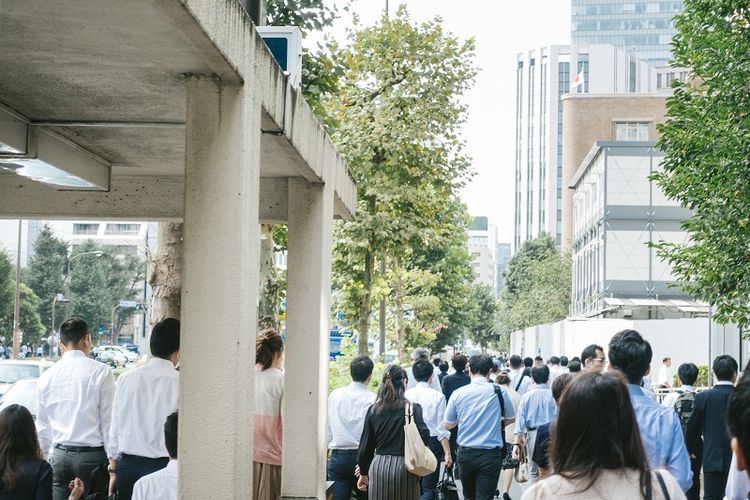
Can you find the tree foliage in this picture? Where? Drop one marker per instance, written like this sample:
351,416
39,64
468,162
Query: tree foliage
484,328
538,286
398,117
45,272
98,284
706,139
30,324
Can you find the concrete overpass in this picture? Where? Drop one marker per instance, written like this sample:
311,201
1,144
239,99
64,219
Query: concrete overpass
175,109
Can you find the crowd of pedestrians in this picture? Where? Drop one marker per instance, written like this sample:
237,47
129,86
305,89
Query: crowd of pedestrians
90,439
587,427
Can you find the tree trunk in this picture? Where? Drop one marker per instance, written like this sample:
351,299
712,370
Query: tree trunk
365,306
398,292
268,304
166,273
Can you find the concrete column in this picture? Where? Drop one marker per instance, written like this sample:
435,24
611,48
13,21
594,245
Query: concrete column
307,333
219,290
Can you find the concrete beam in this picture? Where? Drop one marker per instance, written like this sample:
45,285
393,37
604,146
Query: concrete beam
306,347
134,198
219,290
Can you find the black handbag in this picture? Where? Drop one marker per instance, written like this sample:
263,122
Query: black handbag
446,488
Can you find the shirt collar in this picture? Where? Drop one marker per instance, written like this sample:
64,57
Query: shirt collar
423,384
358,385
724,382
541,386
75,353
479,380
160,362
172,465
635,390
688,388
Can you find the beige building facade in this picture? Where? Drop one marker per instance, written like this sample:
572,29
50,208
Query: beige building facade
590,118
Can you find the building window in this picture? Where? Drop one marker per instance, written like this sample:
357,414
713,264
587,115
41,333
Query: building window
85,229
631,131
122,229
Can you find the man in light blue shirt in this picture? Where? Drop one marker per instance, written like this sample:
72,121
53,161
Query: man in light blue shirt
660,428
477,410
537,407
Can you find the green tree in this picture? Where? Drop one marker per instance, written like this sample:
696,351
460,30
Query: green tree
45,272
98,284
538,286
706,140
399,119
30,323
483,330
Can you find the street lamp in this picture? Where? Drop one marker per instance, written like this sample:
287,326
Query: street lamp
98,253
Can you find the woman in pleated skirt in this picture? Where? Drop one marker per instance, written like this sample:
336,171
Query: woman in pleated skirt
381,449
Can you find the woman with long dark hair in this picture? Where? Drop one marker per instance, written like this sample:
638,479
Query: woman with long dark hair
596,450
24,474
267,424
381,448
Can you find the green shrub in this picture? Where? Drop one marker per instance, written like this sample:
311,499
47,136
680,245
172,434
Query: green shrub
338,370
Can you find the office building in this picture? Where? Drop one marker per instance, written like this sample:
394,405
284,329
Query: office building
543,77
483,244
643,28
502,254
618,211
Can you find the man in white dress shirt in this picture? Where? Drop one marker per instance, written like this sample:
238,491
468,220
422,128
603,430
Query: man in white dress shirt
162,484
75,408
665,373
137,444
433,412
519,382
347,408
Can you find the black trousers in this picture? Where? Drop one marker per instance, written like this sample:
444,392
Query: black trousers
131,468
714,484
341,467
480,470
69,463
694,492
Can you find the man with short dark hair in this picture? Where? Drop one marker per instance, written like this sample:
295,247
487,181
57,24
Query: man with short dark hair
738,418
479,410
75,409
137,444
537,407
452,382
683,402
443,367
708,421
592,358
347,408
564,364
420,353
661,433
433,411
519,380
162,484
554,368
665,373
574,367
540,454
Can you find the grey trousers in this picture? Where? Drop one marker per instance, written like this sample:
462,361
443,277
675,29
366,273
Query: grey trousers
68,465
533,467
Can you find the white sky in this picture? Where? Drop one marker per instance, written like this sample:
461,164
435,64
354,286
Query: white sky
502,28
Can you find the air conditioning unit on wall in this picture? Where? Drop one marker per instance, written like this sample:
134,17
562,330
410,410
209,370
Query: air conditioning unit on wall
285,43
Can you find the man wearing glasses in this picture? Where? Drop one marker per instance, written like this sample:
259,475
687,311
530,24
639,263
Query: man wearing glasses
593,359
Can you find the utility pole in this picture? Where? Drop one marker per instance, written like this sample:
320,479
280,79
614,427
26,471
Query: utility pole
17,303
381,342
386,8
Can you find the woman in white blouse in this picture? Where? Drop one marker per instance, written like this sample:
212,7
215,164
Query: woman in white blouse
596,450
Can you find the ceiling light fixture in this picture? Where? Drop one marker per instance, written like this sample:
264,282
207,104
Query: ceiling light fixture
44,156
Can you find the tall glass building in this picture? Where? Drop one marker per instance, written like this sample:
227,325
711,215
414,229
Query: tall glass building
643,28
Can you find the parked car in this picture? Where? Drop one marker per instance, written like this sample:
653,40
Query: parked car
111,358
23,393
12,370
131,347
119,352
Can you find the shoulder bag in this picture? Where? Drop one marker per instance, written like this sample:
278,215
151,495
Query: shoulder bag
446,488
418,458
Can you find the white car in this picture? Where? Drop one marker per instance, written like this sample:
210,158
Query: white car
12,370
119,352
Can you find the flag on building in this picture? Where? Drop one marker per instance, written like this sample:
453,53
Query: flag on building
578,81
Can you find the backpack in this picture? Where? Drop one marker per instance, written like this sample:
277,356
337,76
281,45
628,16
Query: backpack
684,407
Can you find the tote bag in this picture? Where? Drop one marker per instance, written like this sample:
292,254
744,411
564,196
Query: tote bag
418,458
521,473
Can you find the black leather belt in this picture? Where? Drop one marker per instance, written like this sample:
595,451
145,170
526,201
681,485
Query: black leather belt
78,449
